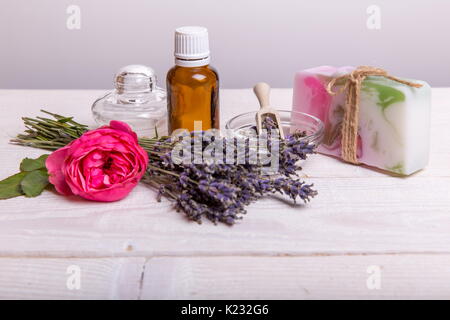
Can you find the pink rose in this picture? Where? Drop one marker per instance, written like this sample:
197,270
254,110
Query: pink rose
102,165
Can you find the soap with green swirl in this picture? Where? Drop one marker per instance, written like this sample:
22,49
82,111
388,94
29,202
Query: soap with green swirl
394,118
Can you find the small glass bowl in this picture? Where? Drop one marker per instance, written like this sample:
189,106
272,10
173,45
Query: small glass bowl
291,121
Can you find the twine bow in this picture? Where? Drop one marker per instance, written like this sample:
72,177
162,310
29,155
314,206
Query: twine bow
352,83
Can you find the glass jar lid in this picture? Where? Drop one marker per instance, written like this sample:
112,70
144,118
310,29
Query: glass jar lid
135,78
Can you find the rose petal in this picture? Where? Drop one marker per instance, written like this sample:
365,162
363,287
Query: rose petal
122,126
56,175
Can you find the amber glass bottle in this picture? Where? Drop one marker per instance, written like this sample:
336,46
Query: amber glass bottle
193,95
192,85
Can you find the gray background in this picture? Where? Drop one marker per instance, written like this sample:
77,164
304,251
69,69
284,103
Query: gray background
251,40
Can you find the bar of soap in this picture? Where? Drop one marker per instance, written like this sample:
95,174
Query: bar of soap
394,119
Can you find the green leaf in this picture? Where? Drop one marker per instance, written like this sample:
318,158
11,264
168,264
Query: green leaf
34,183
28,164
10,187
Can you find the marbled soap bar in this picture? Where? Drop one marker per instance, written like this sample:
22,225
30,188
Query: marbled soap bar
394,118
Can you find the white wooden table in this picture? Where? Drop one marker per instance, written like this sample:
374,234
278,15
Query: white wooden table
363,224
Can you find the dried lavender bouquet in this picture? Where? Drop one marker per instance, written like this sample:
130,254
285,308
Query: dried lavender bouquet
214,190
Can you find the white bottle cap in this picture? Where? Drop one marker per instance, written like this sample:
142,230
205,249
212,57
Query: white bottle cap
191,46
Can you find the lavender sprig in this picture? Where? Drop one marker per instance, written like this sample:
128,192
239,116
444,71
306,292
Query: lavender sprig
219,192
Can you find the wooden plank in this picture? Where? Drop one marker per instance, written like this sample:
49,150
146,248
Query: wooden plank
55,278
316,277
349,216
331,277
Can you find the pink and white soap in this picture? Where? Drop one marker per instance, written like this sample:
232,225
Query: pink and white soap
394,118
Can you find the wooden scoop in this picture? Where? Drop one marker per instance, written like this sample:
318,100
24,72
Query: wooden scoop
262,92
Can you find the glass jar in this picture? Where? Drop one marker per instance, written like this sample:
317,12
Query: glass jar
136,100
